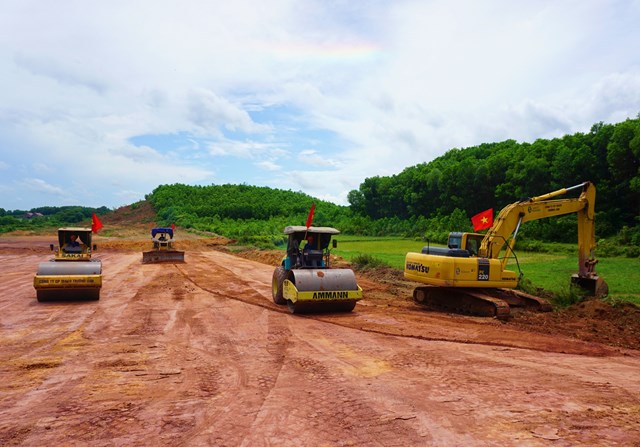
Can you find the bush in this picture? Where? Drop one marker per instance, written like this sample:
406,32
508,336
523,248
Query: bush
366,262
532,246
568,296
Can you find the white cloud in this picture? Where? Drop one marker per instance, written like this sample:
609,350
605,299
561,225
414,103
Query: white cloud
212,113
40,185
268,165
356,88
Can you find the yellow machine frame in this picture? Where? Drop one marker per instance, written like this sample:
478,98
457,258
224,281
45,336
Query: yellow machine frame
488,269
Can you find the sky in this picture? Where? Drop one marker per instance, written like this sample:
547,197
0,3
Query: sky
101,102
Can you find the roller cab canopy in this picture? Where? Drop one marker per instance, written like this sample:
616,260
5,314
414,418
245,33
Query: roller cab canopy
156,231
64,235
298,233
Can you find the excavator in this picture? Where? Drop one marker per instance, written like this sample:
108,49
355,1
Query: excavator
470,275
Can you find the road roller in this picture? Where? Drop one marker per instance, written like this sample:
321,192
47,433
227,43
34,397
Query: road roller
305,281
71,273
163,248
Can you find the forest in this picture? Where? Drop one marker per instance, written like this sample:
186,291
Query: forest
470,180
423,201
430,199
46,217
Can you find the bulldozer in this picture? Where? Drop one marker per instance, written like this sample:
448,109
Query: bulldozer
163,249
305,281
71,274
470,275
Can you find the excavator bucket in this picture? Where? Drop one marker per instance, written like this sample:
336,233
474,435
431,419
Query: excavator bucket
593,285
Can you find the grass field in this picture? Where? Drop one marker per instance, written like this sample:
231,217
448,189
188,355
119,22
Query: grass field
549,271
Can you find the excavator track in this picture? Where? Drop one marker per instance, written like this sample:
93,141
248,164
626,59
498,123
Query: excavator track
516,298
490,302
462,301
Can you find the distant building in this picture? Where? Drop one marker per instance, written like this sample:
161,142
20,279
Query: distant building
32,215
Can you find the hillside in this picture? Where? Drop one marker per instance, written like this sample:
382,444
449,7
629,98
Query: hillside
470,180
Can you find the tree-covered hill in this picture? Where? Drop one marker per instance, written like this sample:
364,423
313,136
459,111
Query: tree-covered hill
47,217
467,181
246,213
429,199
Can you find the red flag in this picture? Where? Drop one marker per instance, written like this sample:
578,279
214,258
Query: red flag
95,223
173,227
483,220
310,217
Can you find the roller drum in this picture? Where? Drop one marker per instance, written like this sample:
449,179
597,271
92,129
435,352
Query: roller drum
70,268
323,279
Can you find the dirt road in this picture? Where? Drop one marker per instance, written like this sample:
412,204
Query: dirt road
196,354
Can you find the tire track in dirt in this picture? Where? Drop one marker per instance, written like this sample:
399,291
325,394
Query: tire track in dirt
412,324
210,369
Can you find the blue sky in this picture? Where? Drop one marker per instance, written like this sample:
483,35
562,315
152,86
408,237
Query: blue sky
103,101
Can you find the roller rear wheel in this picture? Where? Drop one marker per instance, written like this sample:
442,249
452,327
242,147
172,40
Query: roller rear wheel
279,275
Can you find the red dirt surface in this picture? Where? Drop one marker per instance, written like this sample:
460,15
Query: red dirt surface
197,354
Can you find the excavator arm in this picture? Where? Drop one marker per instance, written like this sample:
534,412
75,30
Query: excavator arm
504,231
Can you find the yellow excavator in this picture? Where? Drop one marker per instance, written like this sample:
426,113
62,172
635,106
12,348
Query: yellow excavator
470,275
71,273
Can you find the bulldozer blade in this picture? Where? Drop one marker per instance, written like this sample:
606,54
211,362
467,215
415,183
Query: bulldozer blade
160,256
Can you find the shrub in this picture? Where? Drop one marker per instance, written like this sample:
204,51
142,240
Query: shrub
366,262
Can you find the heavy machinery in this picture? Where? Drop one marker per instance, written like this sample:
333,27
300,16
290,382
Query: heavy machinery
470,275
163,250
305,281
71,273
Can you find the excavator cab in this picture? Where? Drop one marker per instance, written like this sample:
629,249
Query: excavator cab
465,241
459,245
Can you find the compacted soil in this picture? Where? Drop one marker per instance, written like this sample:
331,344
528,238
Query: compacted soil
197,354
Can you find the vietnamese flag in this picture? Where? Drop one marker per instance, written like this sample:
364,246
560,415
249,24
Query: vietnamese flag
95,223
483,220
173,227
310,216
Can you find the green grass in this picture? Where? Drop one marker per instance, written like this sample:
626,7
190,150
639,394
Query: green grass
389,250
549,271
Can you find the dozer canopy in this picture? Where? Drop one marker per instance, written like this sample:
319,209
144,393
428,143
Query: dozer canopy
161,231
